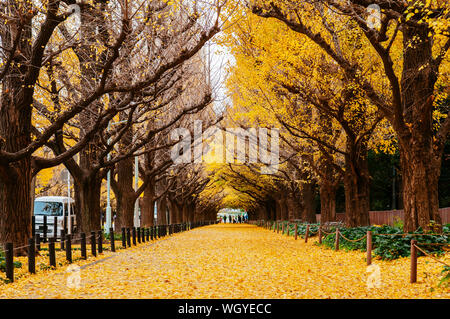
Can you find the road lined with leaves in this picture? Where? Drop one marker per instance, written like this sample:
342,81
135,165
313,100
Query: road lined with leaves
230,261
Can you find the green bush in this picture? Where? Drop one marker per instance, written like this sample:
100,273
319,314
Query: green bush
446,229
117,236
445,281
386,247
301,230
398,223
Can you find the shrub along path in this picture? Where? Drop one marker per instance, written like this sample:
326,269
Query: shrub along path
233,261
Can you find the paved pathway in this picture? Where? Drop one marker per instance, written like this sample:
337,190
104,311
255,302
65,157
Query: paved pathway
230,261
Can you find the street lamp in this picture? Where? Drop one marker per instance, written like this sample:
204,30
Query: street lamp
69,217
136,203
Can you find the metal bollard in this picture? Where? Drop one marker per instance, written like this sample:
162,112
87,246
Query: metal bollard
31,256
83,246
100,241
124,238
93,245
111,239
51,252
9,261
68,248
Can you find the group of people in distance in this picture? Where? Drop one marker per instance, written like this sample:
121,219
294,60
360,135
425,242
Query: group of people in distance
233,219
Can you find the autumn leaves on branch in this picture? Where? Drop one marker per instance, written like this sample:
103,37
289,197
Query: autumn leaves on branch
339,86
98,83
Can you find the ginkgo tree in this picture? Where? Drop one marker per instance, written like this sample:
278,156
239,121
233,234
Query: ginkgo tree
325,117
86,75
409,46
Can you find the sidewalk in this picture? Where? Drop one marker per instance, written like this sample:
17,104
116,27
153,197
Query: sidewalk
231,261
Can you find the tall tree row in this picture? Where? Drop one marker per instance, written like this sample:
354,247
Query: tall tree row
68,71
339,82
408,47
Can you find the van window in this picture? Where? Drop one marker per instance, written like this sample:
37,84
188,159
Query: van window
48,208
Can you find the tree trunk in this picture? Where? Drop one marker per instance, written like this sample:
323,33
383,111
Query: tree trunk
268,210
125,211
283,209
191,213
272,209
185,213
290,206
308,203
87,197
278,210
420,190
420,162
261,213
126,196
327,202
180,213
148,206
15,133
15,203
161,213
297,208
175,213
356,186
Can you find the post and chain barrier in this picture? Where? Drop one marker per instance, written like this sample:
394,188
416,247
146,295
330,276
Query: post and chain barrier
369,236
141,235
414,248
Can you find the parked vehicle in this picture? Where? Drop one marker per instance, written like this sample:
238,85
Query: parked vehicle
54,206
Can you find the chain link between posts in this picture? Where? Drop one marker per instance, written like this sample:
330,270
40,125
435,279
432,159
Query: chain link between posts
365,236
431,256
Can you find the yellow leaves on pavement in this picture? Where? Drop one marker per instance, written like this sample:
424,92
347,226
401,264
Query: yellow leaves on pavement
233,261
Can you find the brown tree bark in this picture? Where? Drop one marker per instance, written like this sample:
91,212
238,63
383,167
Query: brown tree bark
327,202
161,213
420,188
175,212
356,185
283,208
15,203
290,206
15,132
277,210
148,206
309,208
191,212
272,209
125,194
87,177
87,202
420,159
184,213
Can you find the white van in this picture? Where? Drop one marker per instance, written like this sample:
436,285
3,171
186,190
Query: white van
53,206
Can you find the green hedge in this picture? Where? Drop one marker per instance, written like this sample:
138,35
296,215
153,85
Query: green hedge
387,247
384,247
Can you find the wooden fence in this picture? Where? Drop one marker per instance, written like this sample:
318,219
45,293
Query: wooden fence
284,228
388,217
134,235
